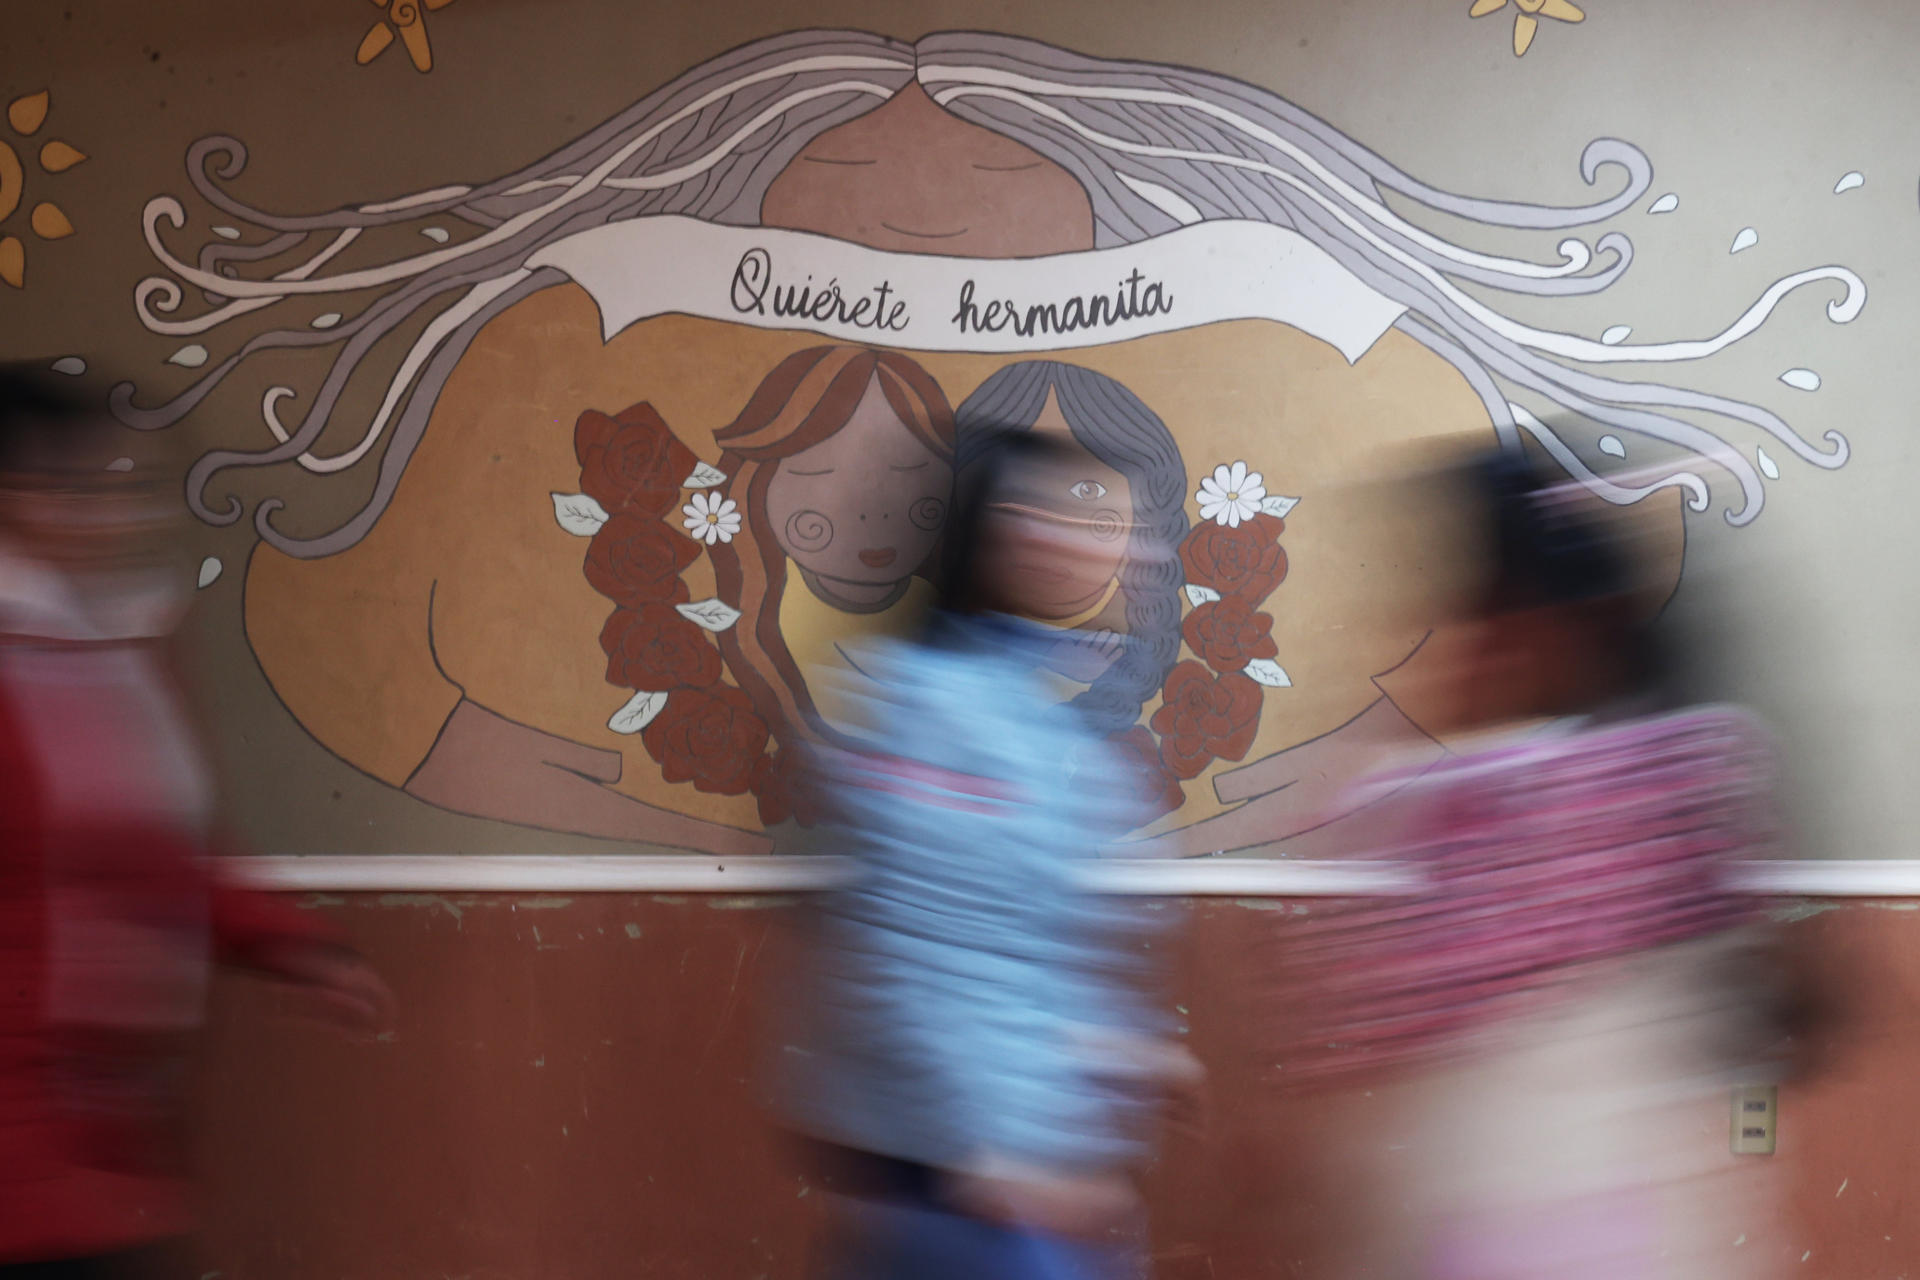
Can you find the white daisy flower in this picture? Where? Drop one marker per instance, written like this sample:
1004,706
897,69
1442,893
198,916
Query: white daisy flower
711,518
1230,495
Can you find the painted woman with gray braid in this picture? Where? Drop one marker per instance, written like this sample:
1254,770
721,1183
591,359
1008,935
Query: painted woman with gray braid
1123,621
416,608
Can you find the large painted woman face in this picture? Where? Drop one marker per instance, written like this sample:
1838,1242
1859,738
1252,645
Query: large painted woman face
860,511
913,178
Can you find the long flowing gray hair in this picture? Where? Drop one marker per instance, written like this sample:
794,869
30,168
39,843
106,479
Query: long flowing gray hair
1117,427
1156,148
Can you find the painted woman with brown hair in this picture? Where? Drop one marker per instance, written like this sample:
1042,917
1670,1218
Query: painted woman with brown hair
830,492
842,464
841,468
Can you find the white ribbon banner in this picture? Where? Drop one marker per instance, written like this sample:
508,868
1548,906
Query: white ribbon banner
1202,274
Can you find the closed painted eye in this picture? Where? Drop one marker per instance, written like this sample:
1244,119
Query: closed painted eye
1089,491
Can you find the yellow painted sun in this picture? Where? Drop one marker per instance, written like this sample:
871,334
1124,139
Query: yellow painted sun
405,19
26,115
1525,23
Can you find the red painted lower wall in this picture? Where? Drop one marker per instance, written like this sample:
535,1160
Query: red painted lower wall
571,1092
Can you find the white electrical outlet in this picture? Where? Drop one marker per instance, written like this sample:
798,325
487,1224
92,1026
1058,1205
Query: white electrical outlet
1756,1119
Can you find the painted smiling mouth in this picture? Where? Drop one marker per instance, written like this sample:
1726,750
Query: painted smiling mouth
879,557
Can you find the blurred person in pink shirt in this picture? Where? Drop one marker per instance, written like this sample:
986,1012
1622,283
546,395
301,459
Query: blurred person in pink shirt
1572,984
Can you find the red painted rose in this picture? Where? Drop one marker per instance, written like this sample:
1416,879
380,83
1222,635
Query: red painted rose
631,462
787,789
1228,634
1143,774
709,737
636,560
656,649
1203,718
1247,562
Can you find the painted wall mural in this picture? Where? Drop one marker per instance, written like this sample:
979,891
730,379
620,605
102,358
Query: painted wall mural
25,115
405,21
1525,25
672,415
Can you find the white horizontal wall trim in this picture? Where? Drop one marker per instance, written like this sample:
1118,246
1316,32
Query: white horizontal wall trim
1834,878
1199,877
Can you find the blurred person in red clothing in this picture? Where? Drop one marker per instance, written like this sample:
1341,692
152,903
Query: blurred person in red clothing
111,912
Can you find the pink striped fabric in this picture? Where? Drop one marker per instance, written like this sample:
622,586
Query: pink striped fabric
1540,859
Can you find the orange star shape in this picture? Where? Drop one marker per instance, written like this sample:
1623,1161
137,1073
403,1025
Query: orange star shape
26,115
1525,24
407,21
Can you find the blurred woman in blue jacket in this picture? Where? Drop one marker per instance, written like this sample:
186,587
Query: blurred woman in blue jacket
978,1058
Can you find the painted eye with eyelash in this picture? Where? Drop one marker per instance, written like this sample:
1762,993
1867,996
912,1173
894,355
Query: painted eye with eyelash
1089,490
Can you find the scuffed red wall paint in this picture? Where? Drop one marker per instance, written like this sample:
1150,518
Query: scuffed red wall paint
572,1091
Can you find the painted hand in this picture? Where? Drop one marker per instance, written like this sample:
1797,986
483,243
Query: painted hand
1083,656
492,767
1299,800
